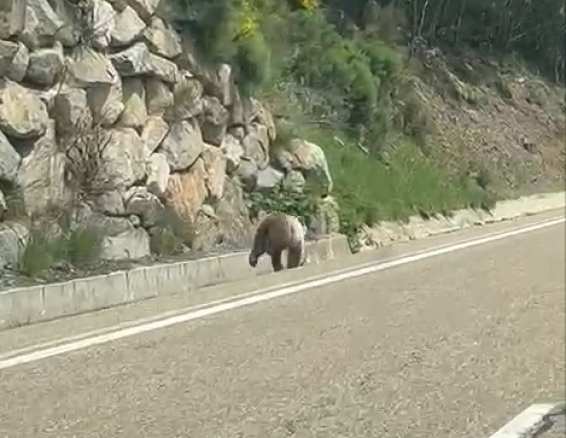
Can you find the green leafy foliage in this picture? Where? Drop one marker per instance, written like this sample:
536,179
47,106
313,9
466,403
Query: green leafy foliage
296,204
45,250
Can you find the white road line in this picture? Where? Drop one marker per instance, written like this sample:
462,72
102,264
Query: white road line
259,296
527,423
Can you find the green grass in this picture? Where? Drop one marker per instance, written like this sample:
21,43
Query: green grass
404,183
43,251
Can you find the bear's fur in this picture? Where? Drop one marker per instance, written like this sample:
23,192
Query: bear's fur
275,233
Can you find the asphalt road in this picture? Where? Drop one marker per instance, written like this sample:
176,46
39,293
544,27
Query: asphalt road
449,346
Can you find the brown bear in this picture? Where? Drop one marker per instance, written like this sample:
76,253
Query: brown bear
275,233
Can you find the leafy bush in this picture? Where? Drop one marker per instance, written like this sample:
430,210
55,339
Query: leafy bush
296,204
46,249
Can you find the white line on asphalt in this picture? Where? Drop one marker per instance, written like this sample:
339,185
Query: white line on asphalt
259,296
527,423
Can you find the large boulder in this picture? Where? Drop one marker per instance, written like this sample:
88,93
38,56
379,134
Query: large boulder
89,67
146,9
186,191
69,35
48,23
188,99
139,61
233,150
215,166
230,226
256,145
309,158
12,18
258,113
158,95
41,175
13,239
135,111
247,173
215,120
158,172
126,242
123,160
71,112
294,181
45,65
22,113
110,203
183,144
162,39
268,178
106,102
153,133
9,160
14,60
103,24
144,204
28,35
128,27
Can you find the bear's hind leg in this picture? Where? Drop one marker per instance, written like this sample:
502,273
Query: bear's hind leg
276,260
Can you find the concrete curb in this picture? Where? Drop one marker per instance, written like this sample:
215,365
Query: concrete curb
416,227
27,305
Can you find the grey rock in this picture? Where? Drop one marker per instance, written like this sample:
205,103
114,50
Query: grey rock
48,22
12,18
8,50
41,174
187,99
128,27
22,113
45,65
215,119
309,158
110,203
71,112
233,151
9,160
135,111
153,133
139,61
89,67
19,64
145,8
103,24
268,178
158,95
215,166
294,181
182,145
162,39
247,173
158,171
13,240
106,102
123,160
132,244
144,204
256,145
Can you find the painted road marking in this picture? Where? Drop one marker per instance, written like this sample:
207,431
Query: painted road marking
528,423
11,360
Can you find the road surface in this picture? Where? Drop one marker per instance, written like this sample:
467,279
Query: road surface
442,345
